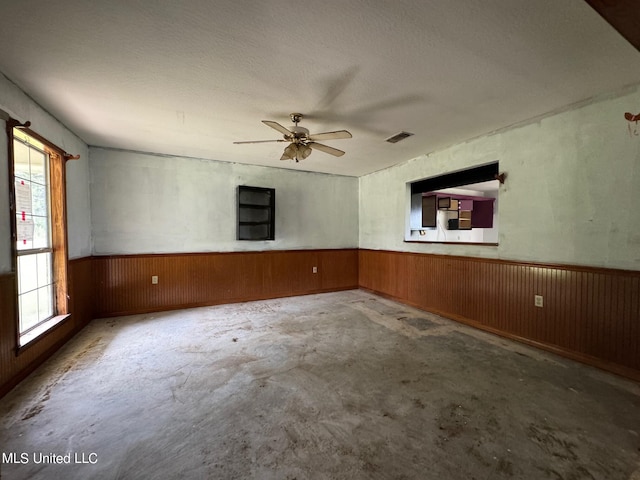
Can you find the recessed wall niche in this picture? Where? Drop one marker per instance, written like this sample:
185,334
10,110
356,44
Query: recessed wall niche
256,213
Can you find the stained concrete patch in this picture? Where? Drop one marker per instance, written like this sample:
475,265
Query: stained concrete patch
333,386
419,323
89,351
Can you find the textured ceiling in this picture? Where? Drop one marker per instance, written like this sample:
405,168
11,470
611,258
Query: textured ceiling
189,78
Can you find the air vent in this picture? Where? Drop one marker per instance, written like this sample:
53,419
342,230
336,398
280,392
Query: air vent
398,136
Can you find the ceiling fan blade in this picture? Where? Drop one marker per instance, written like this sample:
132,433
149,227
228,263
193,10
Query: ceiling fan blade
326,149
262,141
277,126
330,135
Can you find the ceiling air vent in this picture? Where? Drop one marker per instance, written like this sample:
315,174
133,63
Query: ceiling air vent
398,136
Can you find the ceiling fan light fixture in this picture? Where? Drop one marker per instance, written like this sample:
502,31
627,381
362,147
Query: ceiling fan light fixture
301,143
304,151
290,152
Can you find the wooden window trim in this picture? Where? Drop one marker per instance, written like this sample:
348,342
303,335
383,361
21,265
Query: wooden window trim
59,243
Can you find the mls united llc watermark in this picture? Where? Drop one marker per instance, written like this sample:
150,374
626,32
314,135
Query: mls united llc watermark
72,458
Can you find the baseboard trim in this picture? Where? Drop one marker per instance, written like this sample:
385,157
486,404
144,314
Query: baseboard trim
610,367
230,301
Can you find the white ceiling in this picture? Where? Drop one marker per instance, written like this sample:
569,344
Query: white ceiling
189,78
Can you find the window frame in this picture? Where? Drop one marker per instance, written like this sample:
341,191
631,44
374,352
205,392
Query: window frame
59,244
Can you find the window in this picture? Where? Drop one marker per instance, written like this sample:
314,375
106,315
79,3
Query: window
458,207
39,232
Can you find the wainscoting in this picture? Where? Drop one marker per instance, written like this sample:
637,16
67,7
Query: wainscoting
123,283
589,314
14,368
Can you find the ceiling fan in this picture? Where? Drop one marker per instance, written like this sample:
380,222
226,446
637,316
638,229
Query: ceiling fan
301,143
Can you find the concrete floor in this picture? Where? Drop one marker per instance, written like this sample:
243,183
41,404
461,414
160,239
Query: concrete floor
336,386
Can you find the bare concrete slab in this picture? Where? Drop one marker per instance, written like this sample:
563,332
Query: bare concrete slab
336,386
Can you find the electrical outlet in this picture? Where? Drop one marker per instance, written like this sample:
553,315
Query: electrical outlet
154,280
314,270
538,301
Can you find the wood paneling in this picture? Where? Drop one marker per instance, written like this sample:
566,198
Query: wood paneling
623,15
123,283
14,367
7,328
81,295
589,314
106,286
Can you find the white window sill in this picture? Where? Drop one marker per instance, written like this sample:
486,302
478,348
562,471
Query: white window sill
40,330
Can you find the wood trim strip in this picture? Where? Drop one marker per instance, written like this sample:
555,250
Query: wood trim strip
561,266
196,254
12,123
58,209
623,15
431,242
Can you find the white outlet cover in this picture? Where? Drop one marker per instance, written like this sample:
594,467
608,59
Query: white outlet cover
538,300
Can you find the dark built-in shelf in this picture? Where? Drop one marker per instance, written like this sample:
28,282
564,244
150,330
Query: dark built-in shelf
257,207
256,213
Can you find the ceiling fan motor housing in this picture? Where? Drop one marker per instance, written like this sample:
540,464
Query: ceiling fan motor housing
298,133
